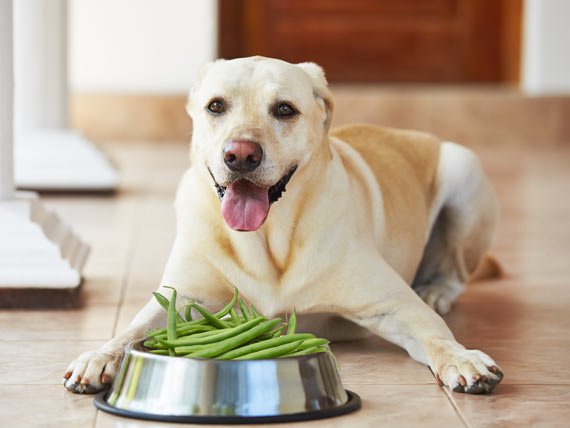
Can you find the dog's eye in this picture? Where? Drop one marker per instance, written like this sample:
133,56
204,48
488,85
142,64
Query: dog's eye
284,110
217,107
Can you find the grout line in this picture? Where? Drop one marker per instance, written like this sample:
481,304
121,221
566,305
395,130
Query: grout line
124,284
461,415
137,226
97,411
457,410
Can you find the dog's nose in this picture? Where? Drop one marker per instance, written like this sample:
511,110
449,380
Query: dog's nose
242,156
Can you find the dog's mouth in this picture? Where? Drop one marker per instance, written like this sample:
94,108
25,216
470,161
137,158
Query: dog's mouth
245,205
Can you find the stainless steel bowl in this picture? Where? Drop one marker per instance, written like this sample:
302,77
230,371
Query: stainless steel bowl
163,388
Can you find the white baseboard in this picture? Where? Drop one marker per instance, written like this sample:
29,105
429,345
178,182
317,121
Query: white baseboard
37,250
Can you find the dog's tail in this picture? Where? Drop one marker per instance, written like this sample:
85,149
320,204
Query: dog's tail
488,268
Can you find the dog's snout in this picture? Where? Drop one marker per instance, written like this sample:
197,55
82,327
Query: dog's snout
242,156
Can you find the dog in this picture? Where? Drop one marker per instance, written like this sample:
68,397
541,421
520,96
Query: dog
362,229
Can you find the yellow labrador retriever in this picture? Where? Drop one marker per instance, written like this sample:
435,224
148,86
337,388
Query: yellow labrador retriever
352,227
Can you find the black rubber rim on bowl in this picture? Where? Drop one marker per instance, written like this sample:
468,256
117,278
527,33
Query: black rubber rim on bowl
353,403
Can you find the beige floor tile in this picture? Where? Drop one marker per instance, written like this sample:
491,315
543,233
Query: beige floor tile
102,283
94,319
105,223
523,327
374,361
383,406
52,325
127,314
517,406
531,361
38,363
510,311
142,281
46,406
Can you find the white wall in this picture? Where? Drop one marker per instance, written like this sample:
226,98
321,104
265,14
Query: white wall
139,46
154,46
546,46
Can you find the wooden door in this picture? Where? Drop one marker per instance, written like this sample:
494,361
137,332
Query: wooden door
380,40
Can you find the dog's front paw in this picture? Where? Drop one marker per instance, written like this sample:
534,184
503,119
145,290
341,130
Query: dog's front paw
92,371
471,371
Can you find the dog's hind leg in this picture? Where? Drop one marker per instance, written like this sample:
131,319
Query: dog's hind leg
463,218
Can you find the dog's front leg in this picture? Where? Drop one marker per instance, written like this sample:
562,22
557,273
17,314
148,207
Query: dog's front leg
381,301
93,371
191,275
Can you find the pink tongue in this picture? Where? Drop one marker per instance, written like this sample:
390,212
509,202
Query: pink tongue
245,205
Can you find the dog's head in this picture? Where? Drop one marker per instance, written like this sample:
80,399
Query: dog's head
256,121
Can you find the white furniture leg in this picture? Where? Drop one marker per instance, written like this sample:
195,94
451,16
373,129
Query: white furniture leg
40,257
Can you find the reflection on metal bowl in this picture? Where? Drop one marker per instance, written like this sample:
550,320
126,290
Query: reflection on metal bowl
164,388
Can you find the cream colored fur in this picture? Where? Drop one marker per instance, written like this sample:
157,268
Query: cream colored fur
369,212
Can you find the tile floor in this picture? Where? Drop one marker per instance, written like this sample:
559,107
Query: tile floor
522,320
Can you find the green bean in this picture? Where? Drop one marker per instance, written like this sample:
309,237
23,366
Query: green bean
224,311
254,311
157,332
233,342
163,301
188,312
186,330
274,352
292,325
196,335
265,344
162,344
244,310
153,331
222,335
272,334
213,320
200,333
277,332
191,329
150,343
227,334
171,332
185,350
313,350
310,343
234,316
179,327
230,322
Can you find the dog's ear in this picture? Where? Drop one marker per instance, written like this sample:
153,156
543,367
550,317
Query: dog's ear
202,71
320,89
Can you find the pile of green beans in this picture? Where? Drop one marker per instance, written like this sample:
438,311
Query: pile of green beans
236,332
